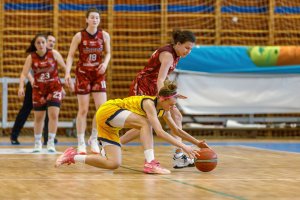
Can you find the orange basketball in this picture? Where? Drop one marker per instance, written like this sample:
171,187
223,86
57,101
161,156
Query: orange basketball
207,160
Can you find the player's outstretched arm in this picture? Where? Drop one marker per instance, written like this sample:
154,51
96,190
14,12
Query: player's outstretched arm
152,117
181,133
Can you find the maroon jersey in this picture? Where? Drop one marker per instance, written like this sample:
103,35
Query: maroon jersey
47,88
44,68
146,80
88,78
90,49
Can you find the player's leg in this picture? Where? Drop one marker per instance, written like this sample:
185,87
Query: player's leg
111,161
140,123
129,136
99,99
46,130
180,160
53,113
22,115
39,116
111,142
83,107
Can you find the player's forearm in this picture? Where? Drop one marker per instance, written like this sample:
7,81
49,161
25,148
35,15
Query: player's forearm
160,84
164,135
22,80
107,59
187,137
69,64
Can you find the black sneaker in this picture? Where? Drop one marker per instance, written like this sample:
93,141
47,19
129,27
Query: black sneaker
15,142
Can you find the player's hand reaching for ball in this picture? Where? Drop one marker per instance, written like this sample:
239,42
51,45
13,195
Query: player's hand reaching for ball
203,144
190,151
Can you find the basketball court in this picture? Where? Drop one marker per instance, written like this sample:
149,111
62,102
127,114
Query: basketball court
265,169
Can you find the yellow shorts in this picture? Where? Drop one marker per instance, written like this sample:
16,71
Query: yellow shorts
106,132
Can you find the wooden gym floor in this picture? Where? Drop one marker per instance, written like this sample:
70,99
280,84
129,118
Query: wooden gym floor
246,170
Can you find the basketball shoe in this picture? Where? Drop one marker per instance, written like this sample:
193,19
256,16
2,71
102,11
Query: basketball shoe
154,167
67,157
81,148
51,147
37,147
181,161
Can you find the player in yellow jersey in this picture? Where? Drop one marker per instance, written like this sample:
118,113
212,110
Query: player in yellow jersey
140,113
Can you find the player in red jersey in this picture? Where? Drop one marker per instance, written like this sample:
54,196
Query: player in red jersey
46,89
92,43
151,79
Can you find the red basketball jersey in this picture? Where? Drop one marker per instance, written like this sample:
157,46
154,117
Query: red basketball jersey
44,68
146,80
90,49
151,70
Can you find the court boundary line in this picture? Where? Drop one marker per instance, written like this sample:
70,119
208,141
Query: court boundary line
269,150
192,185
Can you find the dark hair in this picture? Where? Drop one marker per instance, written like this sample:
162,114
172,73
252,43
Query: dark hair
169,88
183,36
93,9
32,47
49,34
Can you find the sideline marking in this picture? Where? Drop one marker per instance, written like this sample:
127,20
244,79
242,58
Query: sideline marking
26,151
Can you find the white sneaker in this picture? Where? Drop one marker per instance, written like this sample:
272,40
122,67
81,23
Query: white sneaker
37,147
51,147
81,149
94,146
182,161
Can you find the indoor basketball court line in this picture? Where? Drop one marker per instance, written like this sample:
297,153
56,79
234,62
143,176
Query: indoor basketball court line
150,179
270,150
183,182
290,147
16,151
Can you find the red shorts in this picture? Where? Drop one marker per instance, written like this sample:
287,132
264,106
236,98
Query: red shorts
142,86
46,94
89,80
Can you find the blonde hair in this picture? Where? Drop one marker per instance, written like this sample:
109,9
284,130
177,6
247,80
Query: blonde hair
169,88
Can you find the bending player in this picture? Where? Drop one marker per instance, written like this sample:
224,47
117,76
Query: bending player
141,114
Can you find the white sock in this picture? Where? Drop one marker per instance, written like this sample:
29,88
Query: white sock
37,137
51,137
94,134
80,138
80,158
149,155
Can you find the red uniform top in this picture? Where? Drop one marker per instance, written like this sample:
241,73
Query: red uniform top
47,88
44,68
146,80
90,49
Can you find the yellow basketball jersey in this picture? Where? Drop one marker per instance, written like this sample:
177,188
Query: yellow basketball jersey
135,104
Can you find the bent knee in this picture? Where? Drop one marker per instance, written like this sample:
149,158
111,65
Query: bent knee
115,165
